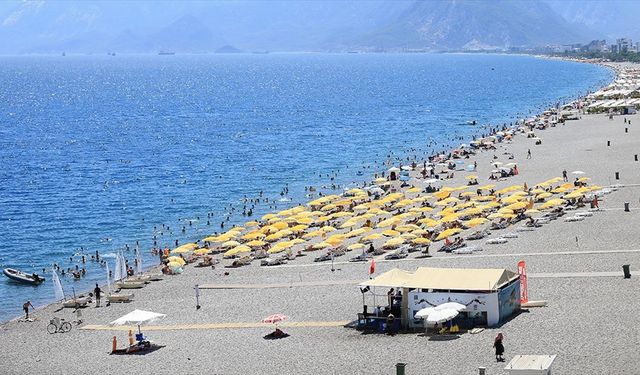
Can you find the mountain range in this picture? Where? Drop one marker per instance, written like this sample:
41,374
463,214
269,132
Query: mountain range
204,26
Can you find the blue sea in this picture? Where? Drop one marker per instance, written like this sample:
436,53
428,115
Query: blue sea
97,151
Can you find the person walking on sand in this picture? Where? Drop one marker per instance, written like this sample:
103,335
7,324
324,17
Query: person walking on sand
564,176
497,344
97,292
25,307
529,154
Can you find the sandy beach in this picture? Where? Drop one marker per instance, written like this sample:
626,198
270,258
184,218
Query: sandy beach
575,266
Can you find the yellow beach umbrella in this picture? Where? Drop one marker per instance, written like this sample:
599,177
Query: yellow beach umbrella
475,222
517,206
230,244
393,243
414,190
280,246
531,211
486,187
390,233
177,260
184,248
251,224
321,245
543,195
387,223
447,233
421,241
255,243
175,265
429,223
237,250
472,177
269,216
253,235
202,251
371,237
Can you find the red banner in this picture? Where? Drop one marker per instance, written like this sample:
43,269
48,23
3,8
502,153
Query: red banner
372,267
524,293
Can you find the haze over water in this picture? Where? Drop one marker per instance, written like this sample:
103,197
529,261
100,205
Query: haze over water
97,148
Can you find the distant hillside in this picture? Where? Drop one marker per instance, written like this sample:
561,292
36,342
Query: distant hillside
455,24
90,26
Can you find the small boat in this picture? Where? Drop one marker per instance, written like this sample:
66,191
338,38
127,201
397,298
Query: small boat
22,277
131,284
119,298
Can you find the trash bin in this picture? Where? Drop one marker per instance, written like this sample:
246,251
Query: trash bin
627,273
400,368
626,206
482,370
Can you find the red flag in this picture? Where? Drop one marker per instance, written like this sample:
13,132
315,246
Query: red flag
372,268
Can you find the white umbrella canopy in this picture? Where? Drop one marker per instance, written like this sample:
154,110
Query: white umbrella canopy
440,316
577,172
450,305
137,317
424,312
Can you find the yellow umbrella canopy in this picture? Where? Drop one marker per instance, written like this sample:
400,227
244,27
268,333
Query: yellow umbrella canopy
355,246
446,233
210,239
450,218
280,246
251,224
428,222
442,194
471,177
328,228
531,211
253,235
537,191
357,232
175,264
371,237
408,236
387,222
335,240
419,232
237,250
380,180
298,228
390,233
446,201
414,190
574,195
269,216
486,187
297,241
202,251
499,215
475,222
517,206
321,245
312,234
280,225
177,260
471,211
394,242
230,244
255,243
421,241
543,195
552,203
184,248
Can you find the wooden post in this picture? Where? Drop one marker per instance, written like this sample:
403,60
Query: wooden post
404,314
114,345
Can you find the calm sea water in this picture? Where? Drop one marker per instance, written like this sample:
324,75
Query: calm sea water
96,151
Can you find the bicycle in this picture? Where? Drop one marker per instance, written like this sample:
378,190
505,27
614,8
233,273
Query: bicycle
57,325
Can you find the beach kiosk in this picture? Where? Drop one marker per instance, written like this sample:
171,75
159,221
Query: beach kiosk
530,365
394,173
491,296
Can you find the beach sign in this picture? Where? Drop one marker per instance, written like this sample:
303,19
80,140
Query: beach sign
524,293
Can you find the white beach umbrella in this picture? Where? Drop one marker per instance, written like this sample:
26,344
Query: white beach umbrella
424,313
431,181
450,305
137,317
577,172
439,316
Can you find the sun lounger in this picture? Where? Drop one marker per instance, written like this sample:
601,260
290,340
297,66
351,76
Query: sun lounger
510,235
573,219
497,241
